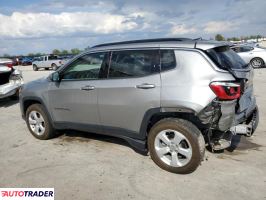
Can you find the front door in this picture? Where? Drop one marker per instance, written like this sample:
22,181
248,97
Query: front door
74,98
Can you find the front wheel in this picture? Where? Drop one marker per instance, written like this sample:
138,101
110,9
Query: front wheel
38,122
176,145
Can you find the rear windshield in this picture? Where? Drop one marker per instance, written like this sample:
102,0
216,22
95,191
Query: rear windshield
226,58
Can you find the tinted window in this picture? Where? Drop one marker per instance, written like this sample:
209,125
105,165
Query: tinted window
167,59
236,49
85,67
52,57
226,58
133,63
246,49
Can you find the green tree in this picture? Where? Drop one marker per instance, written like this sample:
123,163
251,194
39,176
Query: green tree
56,51
219,37
75,51
64,52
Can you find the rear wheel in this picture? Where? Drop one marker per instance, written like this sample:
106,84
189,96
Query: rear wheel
176,145
35,68
38,122
257,63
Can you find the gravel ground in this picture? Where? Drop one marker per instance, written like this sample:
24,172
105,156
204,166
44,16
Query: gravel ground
88,166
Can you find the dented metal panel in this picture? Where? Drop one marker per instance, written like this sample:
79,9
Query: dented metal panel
11,81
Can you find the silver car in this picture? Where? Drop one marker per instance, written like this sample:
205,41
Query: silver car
167,96
256,56
10,79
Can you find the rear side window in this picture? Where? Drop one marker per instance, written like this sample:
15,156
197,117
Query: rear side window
246,49
226,58
52,57
133,63
167,59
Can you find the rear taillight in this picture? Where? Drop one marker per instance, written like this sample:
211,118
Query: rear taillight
10,65
226,90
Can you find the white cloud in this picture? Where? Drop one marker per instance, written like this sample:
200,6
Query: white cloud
182,29
219,26
34,25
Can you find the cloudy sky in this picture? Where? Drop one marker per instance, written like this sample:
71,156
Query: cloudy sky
42,25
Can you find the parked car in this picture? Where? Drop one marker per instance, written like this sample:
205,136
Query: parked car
256,56
26,61
15,61
47,62
165,96
10,79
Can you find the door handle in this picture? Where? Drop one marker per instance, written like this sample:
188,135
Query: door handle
88,87
146,86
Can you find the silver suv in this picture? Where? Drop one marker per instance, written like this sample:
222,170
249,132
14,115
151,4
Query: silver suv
169,97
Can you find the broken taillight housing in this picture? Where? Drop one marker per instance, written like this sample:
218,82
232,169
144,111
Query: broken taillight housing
10,65
226,90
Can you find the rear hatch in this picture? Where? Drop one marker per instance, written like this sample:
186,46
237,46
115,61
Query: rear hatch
226,59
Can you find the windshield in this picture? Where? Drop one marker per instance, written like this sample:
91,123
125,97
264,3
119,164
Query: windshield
226,58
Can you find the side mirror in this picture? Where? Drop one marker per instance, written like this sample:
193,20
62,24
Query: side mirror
55,77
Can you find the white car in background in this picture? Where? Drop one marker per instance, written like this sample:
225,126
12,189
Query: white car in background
10,79
256,56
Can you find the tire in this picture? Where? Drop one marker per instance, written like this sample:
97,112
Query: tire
254,120
44,122
35,68
257,63
193,141
54,67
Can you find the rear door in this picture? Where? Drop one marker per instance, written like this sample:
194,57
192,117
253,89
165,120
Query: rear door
131,89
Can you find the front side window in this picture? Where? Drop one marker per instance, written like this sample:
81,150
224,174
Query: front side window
85,67
133,63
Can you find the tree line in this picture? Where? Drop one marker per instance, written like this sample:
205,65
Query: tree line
220,37
74,51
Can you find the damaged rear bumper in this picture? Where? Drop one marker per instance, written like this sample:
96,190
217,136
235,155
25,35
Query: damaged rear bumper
12,86
227,118
9,89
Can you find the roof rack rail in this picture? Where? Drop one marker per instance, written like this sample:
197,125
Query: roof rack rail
144,41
